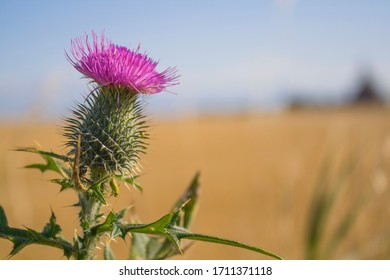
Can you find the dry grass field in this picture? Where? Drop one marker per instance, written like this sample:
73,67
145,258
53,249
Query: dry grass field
258,176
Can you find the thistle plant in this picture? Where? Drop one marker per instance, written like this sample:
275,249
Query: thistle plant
106,135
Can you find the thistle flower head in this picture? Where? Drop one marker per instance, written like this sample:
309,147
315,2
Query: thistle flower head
110,124
110,65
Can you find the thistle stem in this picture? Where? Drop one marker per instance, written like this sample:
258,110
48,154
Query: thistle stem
89,217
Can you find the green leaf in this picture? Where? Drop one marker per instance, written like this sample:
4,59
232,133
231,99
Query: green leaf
34,235
3,218
115,231
96,190
166,228
108,255
157,227
326,193
173,227
21,238
119,215
19,244
139,245
146,247
344,226
111,224
187,204
107,225
52,162
183,212
8,232
182,233
64,183
51,229
44,153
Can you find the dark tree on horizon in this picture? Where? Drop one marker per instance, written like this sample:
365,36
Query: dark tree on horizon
367,93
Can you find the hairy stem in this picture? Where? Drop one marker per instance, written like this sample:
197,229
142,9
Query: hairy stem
89,217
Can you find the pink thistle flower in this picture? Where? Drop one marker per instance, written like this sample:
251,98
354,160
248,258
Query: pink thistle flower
117,66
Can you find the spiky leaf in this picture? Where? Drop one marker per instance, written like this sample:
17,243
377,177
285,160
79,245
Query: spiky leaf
50,236
108,255
165,227
187,204
51,229
54,162
147,247
64,183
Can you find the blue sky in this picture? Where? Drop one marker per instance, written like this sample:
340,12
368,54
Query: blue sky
230,54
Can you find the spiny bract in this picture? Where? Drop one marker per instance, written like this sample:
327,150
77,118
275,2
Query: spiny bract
112,130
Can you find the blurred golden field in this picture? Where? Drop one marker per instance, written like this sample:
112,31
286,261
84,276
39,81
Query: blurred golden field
258,176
